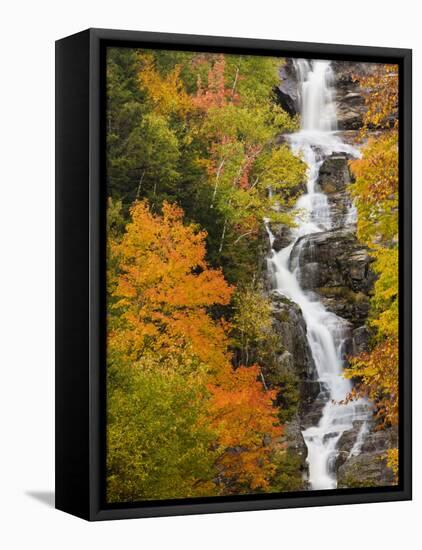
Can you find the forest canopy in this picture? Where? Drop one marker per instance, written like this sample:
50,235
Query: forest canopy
192,152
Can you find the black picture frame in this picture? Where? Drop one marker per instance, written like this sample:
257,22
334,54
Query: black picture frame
80,273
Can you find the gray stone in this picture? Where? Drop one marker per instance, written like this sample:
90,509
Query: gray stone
335,266
360,339
369,468
334,174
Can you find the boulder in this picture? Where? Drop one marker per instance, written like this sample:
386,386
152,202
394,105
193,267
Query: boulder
286,94
360,339
350,99
365,470
289,325
342,260
334,174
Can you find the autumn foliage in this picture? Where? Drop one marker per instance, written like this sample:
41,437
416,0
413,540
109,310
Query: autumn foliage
164,286
242,413
169,356
376,192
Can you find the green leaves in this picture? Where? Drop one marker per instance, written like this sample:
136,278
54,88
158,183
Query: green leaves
158,441
191,155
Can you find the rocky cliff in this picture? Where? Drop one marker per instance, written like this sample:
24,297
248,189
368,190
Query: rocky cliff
336,267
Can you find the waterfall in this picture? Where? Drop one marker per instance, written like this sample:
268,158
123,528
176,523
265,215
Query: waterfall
326,332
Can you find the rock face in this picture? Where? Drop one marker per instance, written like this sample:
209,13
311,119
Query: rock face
350,101
337,267
296,358
334,174
286,94
292,371
333,180
369,467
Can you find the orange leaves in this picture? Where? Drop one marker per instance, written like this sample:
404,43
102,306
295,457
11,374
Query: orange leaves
244,418
164,286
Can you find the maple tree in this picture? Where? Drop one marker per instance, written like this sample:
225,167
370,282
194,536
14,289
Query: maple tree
245,420
164,286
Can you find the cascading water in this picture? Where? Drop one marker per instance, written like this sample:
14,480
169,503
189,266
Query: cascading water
326,332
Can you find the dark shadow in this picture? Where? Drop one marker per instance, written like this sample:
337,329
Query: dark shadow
45,497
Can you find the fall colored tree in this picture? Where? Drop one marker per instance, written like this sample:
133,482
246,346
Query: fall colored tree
381,90
177,410
164,288
245,420
166,92
252,322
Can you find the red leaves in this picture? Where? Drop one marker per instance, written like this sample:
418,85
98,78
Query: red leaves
215,94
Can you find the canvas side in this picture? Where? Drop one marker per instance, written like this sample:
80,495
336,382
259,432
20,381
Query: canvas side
72,269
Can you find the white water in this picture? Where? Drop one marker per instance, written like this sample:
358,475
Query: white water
326,332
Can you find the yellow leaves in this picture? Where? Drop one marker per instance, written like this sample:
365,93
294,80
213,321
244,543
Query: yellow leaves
167,93
375,193
378,374
393,462
381,97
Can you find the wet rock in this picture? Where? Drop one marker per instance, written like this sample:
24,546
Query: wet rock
333,180
285,100
346,442
350,99
369,468
282,236
340,207
290,326
311,411
337,267
334,174
360,339
286,94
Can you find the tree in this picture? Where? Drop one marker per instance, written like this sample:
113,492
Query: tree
164,288
245,420
252,322
158,441
177,411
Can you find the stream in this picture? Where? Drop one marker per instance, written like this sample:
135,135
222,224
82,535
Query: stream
327,333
